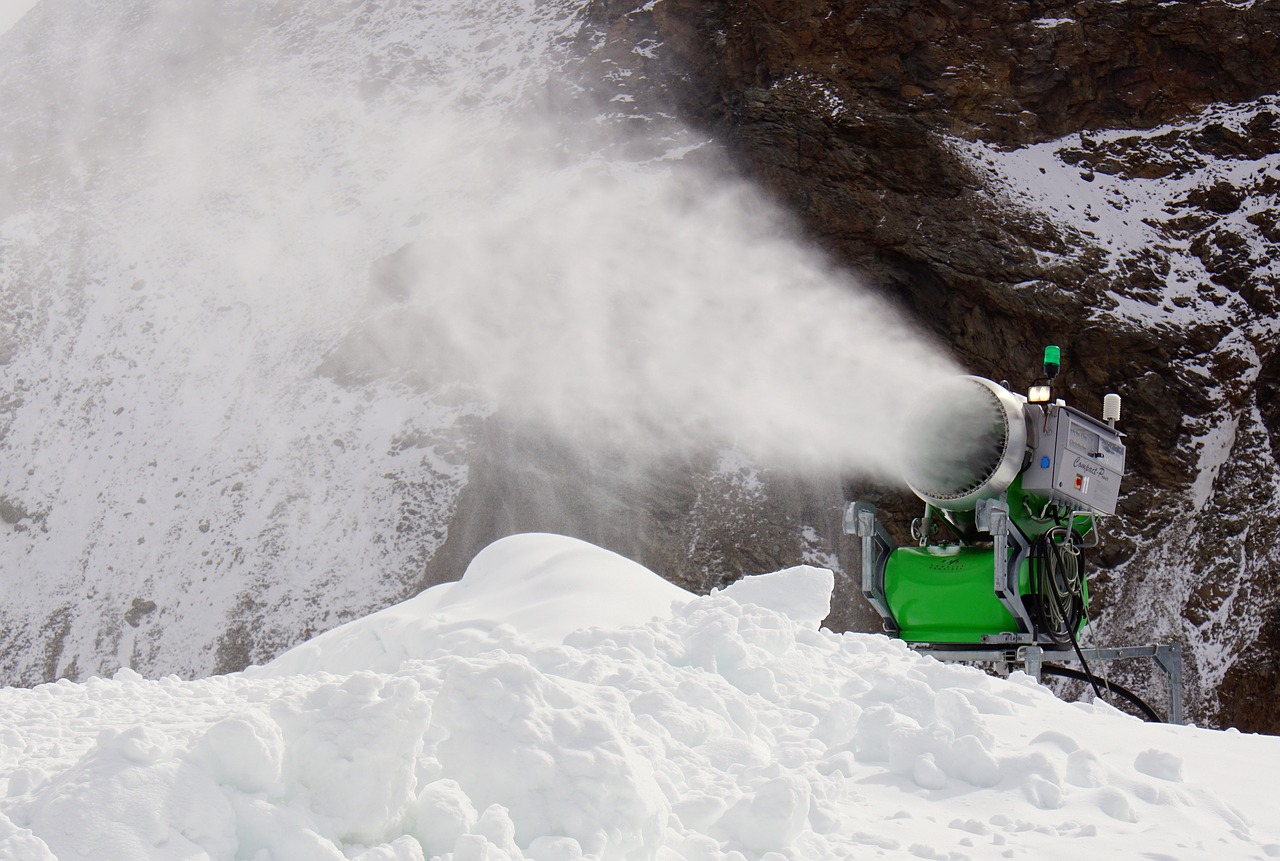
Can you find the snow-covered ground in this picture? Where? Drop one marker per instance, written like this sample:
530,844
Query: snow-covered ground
485,720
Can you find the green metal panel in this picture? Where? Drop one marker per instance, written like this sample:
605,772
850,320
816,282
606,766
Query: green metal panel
946,594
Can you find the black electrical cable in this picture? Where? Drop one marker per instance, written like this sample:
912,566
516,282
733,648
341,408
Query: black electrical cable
1119,690
1058,582
1059,585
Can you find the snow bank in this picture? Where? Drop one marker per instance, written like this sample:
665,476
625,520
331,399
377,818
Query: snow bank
542,586
714,728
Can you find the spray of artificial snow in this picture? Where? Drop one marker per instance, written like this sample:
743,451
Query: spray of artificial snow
655,306
198,212
657,309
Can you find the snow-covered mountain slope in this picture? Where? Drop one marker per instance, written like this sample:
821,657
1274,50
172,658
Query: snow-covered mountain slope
192,204
723,728
1097,176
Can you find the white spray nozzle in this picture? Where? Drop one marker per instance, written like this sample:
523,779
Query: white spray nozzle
1111,408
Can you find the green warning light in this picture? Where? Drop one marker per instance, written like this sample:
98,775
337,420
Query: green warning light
1052,361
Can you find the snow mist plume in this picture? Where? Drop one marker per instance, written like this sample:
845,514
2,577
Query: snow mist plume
192,202
656,308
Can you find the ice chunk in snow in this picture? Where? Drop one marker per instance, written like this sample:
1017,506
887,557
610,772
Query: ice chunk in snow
802,593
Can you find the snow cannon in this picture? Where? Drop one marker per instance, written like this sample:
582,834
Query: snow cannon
1013,488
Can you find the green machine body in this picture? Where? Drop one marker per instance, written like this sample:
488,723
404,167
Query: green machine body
944,594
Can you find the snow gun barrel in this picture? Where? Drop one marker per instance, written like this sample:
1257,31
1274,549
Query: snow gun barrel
974,439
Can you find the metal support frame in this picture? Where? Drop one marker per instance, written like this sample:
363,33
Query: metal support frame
1167,656
1020,648
992,515
860,520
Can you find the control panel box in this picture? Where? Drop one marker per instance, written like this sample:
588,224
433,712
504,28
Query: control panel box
1076,459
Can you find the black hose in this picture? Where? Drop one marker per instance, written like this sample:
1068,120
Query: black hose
1120,690
1071,634
1058,583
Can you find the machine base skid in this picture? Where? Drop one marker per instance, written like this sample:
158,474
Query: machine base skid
1031,658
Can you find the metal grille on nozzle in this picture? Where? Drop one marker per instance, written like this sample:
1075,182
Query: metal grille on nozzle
958,442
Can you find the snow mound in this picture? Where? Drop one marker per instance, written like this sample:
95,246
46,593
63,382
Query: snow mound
541,586
716,730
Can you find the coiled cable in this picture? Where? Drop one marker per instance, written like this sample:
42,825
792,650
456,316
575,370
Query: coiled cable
1058,607
1057,585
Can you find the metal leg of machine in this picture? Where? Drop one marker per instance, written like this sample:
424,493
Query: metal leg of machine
860,520
1031,659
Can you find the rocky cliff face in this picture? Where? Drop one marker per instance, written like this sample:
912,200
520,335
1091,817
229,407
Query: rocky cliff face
1099,175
